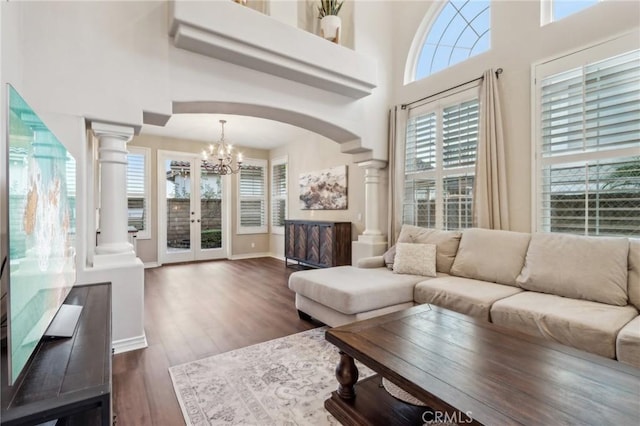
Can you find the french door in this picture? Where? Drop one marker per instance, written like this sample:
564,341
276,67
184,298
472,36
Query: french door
191,206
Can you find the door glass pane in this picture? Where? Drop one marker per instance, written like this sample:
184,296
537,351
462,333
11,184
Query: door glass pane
210,209
178,191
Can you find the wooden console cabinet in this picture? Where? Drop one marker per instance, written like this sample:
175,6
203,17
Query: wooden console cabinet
67,379
317,243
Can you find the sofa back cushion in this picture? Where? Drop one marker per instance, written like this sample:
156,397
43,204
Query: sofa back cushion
633,287
446,243
589,268
491,255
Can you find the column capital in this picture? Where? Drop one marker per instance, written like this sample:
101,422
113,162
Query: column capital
118,131
373,164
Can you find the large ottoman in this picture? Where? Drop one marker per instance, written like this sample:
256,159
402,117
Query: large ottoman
344,294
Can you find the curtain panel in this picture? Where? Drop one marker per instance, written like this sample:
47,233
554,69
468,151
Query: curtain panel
397,133
490,200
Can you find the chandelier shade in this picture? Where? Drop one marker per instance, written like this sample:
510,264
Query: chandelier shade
219,158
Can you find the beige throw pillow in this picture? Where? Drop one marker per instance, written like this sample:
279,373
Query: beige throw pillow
415,259
446,243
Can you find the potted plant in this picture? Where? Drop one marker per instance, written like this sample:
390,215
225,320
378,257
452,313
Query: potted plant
330,22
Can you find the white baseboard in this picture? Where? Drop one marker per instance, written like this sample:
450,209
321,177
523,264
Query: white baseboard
276,256
130,344
151,265
248,256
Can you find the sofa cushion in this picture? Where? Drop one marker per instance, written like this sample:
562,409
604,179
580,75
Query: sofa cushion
333,318
446,243
351,290
389,257
370,262
589,268
633,287
464,295
628,343
491,255
416,259
582,324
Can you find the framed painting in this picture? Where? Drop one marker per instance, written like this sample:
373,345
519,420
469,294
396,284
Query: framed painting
324,189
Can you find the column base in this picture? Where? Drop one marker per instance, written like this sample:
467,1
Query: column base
114,259
361,249
115,248
372,238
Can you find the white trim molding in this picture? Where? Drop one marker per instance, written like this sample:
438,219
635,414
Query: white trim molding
129,344
249,256
211,29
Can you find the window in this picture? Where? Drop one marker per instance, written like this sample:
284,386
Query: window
252,191
138,190
555,10
459,31
278,195
440,158
588,143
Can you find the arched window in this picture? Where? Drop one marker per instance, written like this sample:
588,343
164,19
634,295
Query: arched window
459,31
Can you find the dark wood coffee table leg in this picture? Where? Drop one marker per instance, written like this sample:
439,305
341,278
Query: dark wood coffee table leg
347,375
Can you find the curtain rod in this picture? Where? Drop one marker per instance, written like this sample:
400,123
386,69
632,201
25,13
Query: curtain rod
404,106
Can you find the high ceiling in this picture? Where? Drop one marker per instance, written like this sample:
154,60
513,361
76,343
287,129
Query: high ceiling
239,130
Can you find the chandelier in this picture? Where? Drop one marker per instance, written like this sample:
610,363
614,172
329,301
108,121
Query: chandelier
219,158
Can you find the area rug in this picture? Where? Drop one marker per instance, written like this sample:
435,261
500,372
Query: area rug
280,382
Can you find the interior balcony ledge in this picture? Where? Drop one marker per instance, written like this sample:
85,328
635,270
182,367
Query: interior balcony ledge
233,33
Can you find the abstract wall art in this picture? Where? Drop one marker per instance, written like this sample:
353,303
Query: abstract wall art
324,189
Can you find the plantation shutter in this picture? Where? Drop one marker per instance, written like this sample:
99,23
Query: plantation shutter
460,134
590,148
70,172
592,108
460,144
440,158
279,194
136,191
252,196
420,156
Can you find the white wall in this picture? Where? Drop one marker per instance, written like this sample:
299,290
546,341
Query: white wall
313,154
112,60
517,42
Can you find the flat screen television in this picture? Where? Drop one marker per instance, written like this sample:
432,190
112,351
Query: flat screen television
39,208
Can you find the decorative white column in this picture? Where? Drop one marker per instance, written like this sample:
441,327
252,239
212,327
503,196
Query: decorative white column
115,260
113,244
372,242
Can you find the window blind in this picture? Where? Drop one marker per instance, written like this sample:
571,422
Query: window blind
440,156
592,108
252,193
136,191
420,152
590,148
278,194
460,134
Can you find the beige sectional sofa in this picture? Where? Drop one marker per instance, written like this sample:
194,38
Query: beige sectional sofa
580,291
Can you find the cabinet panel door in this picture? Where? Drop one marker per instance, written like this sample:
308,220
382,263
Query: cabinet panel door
326,239
300,241
289,240
313,246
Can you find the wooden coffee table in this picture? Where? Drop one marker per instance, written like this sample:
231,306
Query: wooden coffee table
476,373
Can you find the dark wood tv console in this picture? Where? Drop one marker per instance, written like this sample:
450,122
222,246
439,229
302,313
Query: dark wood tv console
67,379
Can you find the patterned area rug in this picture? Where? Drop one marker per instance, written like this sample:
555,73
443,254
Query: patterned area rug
280,382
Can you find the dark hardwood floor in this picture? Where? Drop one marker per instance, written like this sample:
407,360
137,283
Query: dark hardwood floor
193,311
